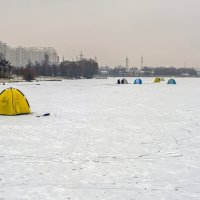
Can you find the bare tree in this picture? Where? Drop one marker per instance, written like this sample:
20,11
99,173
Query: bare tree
4,66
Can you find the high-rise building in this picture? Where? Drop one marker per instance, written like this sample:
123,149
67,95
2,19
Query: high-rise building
21,56
3,48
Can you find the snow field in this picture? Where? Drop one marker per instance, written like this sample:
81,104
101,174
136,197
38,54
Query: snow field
103,141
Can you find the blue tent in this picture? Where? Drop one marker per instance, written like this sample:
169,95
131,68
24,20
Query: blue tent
171,81
138,81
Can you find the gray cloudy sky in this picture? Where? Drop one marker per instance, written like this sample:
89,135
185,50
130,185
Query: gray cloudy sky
164,32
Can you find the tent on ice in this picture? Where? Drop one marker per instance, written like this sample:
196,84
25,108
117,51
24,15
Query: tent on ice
13,102
138,81
171,81
157,80
124,81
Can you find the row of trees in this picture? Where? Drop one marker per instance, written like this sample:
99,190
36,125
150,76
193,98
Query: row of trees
149,71
171,71
78,69
67,69
85,68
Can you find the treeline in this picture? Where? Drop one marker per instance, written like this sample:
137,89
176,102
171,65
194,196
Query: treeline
148,71
171,71
85,68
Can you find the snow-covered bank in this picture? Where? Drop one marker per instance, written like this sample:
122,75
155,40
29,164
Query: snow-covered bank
103,141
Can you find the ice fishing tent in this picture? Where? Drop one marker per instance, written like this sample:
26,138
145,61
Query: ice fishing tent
157,80
13,102
138,81
124,81
171,81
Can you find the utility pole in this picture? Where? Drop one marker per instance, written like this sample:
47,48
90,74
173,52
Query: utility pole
127,62
81,56
141,63
95,59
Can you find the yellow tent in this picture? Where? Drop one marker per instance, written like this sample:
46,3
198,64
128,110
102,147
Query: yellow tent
13,102
157,80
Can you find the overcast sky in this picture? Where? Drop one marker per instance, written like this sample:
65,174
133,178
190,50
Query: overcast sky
164,32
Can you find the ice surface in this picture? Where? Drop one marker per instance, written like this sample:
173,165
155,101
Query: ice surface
103,141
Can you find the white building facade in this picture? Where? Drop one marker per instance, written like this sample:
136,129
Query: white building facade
21,56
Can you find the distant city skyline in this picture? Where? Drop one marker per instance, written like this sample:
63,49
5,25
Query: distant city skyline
163,32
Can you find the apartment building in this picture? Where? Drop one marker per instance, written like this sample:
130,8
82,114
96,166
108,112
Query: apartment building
21,56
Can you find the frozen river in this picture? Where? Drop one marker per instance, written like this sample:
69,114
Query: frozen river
103,141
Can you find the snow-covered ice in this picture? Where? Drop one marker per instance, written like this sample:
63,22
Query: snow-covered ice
103,141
